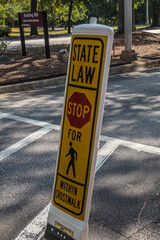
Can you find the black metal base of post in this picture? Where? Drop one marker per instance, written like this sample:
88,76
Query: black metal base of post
53,233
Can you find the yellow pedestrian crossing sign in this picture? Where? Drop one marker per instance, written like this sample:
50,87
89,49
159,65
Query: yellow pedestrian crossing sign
81,124
79,121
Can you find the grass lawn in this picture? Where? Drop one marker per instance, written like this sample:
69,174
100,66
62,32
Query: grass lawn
15,32
138,27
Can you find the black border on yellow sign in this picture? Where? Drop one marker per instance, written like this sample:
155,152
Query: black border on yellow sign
93,124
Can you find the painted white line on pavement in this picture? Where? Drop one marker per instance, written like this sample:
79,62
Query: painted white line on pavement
113,142
141,147
35,229
46,127
23,119
105,152
25,141
133,145
1,116
129,144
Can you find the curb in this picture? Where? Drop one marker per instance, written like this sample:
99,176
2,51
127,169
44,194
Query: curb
32,85
135,66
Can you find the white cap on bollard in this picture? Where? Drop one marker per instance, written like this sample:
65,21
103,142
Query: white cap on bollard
93,20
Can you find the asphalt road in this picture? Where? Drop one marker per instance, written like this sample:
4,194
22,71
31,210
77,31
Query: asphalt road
37,42
126,196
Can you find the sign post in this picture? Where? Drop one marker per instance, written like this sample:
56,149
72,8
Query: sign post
45,28
34,19
22,36
86,85
147,13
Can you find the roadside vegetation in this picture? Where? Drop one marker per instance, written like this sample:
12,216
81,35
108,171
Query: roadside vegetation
67,13
16,32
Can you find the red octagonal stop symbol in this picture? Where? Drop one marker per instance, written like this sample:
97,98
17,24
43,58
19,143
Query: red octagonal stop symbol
78,110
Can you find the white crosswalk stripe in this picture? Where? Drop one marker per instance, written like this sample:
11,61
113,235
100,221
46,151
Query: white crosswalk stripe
36,227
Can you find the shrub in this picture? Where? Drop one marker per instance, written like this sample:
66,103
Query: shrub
3,46
4,31
1,22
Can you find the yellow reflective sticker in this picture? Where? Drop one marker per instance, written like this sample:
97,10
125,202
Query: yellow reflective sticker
63,229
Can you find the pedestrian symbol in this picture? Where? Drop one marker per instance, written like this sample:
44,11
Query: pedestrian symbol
73,154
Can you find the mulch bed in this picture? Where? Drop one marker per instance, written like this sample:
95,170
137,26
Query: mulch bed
36,66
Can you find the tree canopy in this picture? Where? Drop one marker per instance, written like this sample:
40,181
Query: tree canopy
71,12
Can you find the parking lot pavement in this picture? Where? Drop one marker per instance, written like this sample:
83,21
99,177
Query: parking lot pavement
26,166
126,187
126,196
9,123
126,192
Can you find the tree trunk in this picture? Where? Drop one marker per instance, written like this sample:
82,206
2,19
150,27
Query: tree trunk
52,15
133,17
69,16
155,12
121,16
42,4
52,24
34,9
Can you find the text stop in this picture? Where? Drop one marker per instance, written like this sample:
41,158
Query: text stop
78,110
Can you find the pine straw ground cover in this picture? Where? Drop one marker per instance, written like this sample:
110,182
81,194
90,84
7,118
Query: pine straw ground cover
36,66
